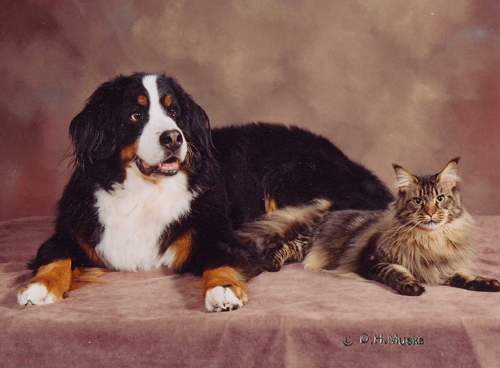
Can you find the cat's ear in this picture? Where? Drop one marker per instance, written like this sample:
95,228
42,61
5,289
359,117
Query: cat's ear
450,173
404,178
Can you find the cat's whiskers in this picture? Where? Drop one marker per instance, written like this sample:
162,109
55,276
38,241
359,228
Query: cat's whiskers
398,231
408,229
481,210
474,226
399,228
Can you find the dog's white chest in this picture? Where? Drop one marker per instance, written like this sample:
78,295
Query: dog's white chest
135,215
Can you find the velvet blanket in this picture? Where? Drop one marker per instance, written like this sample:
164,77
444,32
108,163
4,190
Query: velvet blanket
294,318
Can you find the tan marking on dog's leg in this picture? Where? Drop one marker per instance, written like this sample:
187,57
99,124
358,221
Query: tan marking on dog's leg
49,284
182,247
56,277
82,276
270,204
91,254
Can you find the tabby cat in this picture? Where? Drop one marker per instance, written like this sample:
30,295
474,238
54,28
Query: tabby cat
424,237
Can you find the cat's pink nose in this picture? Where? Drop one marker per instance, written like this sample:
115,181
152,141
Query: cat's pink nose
430,210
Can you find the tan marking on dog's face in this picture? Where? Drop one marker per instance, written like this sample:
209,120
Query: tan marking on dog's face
224,276
182,247
128,153
142,100
168,100
56,277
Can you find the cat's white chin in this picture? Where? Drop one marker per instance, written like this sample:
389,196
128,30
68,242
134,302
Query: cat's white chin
431,225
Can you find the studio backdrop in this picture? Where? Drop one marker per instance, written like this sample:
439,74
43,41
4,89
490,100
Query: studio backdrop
411,82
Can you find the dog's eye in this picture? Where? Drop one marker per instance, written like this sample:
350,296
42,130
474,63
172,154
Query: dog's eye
172,111
136,116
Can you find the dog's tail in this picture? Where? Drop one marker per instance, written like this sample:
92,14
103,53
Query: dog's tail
82,276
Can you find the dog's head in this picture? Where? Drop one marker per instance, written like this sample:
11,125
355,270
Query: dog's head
144,119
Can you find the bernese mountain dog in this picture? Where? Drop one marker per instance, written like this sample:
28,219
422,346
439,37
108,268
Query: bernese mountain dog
153,186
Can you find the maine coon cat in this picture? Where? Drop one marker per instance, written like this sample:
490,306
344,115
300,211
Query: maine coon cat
423,237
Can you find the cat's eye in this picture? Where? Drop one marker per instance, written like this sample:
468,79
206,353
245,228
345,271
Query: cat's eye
440,199
417,201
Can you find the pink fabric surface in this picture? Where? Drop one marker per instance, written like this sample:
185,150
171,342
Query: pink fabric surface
294,318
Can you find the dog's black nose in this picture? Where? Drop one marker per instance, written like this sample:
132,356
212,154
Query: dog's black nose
171,139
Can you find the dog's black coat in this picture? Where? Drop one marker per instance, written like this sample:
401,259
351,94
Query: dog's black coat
233,169
292,166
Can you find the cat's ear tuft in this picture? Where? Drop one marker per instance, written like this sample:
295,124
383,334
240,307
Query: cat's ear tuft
403,177
450,173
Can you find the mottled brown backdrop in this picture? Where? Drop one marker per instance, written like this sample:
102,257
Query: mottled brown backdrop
411,82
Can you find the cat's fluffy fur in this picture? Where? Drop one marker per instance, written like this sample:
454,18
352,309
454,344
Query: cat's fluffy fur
424,237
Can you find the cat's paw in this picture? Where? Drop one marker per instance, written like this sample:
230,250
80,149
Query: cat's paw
223,298
413,288
273,262
484,284
273,265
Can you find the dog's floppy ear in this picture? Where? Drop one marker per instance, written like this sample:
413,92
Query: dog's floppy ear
193,116
92,130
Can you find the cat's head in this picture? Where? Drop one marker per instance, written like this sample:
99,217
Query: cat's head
428,201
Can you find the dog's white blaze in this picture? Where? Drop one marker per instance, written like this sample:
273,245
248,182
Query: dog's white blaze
149,148
135,214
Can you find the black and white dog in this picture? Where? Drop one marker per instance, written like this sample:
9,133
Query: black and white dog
154,187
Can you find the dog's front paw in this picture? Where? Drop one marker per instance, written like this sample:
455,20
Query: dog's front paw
35,294
225,298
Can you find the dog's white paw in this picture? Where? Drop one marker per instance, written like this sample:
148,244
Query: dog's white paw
222,298
35,294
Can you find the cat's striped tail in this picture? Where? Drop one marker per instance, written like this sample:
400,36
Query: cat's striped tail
283,235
